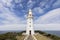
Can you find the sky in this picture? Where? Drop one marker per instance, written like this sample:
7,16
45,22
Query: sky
13,14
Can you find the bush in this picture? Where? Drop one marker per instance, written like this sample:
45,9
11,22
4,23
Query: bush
9,35
54,37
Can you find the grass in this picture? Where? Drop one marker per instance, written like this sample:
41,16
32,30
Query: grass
8,36
41,37
20,37
12,36
53,37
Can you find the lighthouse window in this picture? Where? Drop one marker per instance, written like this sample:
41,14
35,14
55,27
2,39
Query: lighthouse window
30,14
30,25
29,22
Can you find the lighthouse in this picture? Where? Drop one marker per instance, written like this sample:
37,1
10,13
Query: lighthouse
29,28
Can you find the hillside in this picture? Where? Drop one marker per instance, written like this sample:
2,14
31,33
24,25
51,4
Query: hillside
19,36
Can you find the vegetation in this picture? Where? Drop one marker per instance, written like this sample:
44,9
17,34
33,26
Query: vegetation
54,37
10,36
41,37
19,36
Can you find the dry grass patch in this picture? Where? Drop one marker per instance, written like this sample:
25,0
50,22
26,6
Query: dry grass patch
20,37
41,37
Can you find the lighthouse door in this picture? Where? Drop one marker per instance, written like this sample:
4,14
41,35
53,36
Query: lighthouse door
30,32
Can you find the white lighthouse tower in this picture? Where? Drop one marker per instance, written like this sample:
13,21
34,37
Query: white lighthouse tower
29,28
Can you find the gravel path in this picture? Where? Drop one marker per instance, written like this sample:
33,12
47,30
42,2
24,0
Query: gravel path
30,37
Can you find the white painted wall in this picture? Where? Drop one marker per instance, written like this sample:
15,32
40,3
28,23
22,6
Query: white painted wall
29,23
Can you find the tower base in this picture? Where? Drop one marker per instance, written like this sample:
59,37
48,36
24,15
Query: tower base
30,32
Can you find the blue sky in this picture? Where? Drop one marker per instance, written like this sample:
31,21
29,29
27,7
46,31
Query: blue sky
13,13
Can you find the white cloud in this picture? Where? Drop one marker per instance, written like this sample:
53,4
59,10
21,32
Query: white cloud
18,1
49,21
47,27
9,16
12,22
38,10
56,4
12,27
50,17
43,3
23,26
30,4
6,2
9,20
21,5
